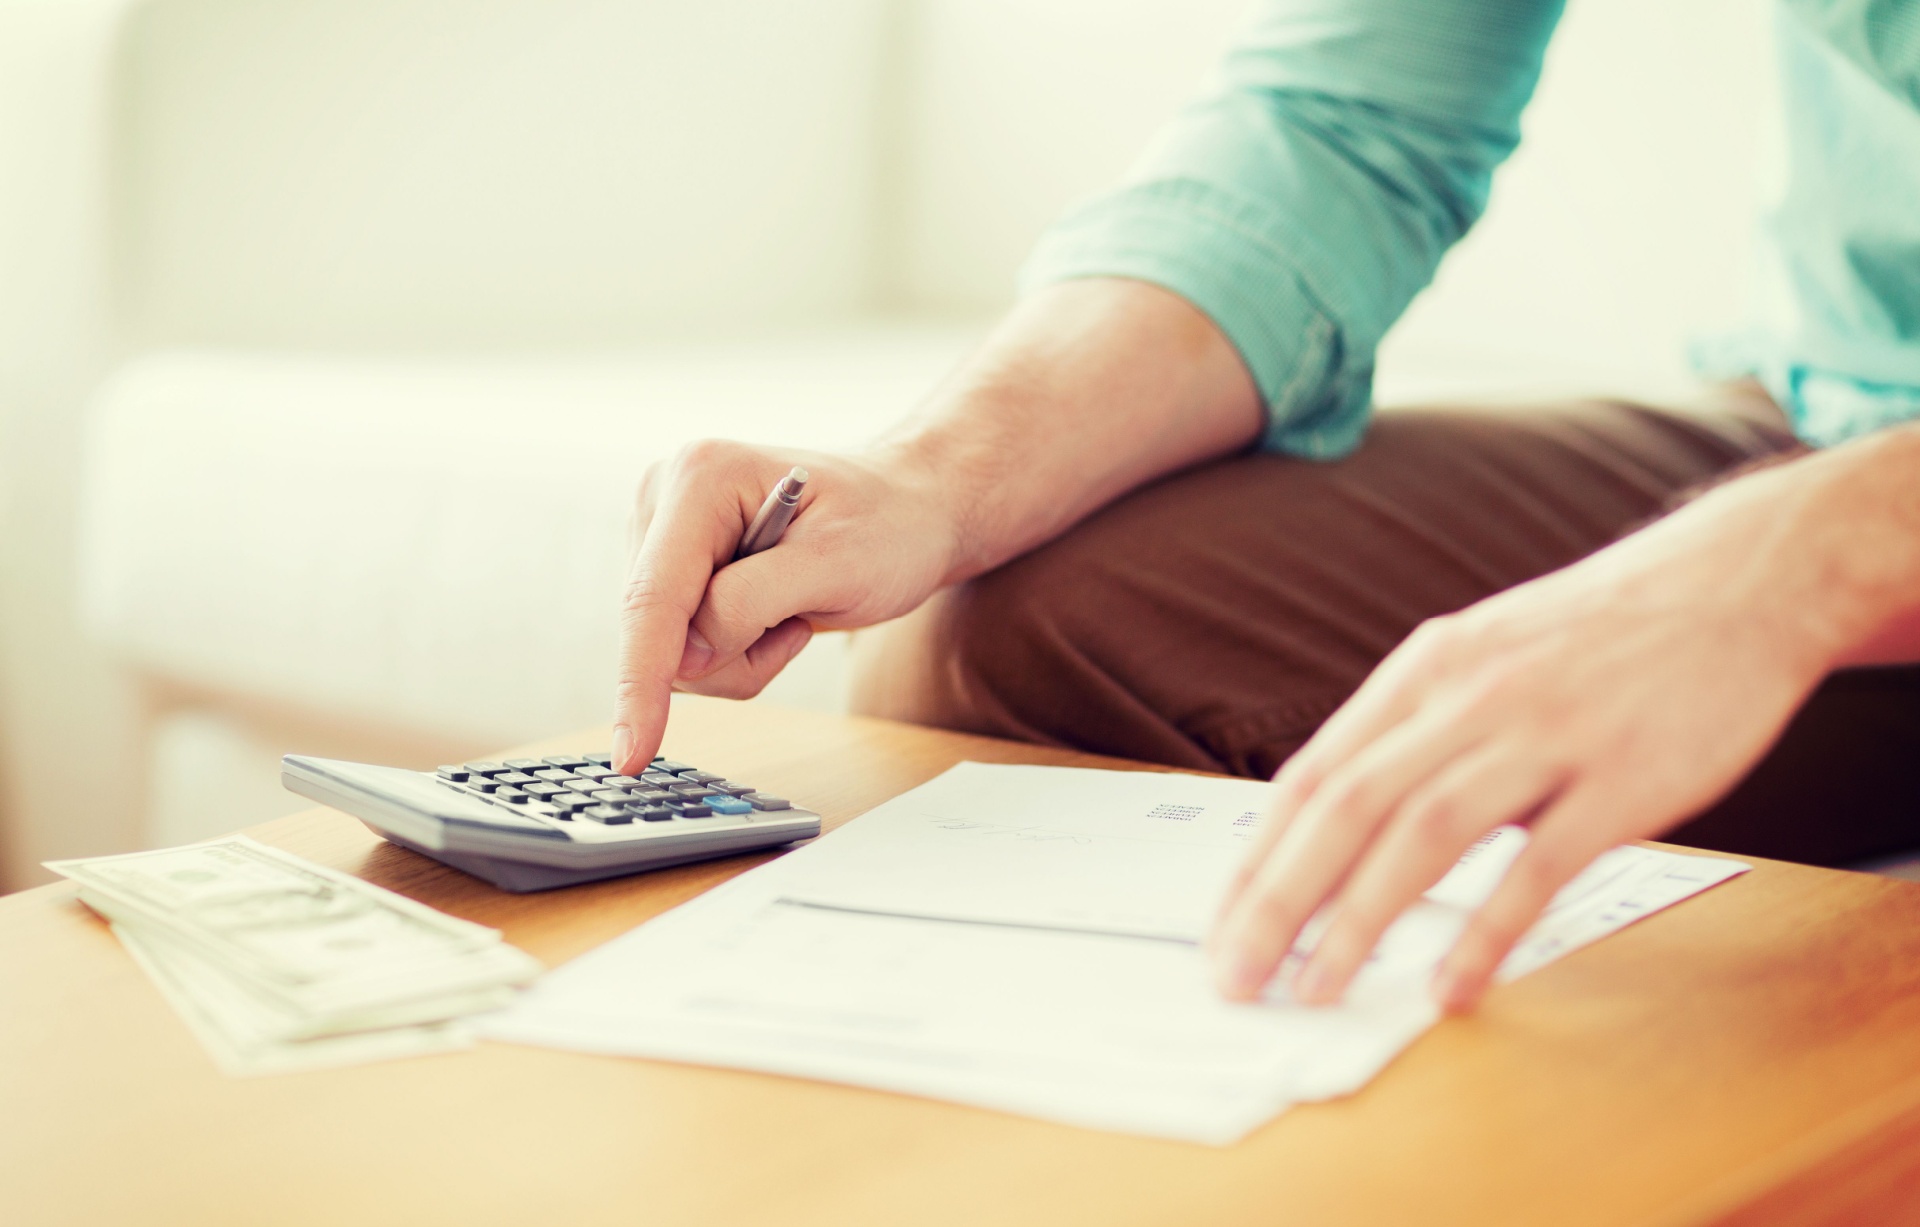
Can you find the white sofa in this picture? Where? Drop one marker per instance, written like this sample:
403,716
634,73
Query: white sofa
334,333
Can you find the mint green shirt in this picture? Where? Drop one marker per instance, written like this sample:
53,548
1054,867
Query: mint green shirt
1352,142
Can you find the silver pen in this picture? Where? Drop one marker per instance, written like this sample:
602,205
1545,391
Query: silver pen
774,515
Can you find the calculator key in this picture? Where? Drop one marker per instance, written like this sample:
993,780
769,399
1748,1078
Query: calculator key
515,795
485,768
567,802
618,781
537,806
728,805
650,813
515,778
650,796
660,778
595,771
481,784
730,788
599,760
700,777
611,796
454,775
566,762
553,775
583,787
612,815
525,764
690,809
692,792
672,768
760,800
543,789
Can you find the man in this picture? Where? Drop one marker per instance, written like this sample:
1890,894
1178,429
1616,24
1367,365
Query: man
1149,524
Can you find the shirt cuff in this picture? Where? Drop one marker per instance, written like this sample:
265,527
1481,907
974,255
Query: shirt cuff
1213,250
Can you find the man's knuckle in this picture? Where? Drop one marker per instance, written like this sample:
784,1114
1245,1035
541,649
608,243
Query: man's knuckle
708,455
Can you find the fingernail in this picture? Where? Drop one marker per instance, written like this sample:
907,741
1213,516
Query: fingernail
622,746
1236,977
1449,993
696,656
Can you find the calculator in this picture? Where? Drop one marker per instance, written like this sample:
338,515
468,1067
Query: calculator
535,823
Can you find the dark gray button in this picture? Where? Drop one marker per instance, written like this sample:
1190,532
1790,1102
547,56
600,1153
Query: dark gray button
730,788
485,768
611,796
652,796
671,767
661,778
597,771
760,800
650,813
618,781
700,777
454,775
690,809
692,792
583,787
565,761
481,783
504,793
515,778
525,764
543,790
599,760
612,815
553,774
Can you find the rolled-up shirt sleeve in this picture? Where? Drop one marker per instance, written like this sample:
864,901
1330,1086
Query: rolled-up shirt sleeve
1305,200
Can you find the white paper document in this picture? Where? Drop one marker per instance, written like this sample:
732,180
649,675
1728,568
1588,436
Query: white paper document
1026,938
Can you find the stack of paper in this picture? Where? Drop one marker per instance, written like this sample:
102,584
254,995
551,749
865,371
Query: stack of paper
278,964
1025,938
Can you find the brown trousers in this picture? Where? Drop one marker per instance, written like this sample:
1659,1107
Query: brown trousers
1214,619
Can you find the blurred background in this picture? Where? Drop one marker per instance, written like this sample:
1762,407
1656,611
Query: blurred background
334,334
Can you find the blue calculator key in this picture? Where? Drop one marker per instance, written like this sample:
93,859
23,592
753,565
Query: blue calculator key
728,805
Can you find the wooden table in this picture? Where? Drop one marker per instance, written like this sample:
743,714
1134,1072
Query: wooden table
1750,1056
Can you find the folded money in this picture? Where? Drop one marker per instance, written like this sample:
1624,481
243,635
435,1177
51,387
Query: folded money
276,963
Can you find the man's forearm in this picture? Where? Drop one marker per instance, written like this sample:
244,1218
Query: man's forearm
1827,546
1088,390
1862,520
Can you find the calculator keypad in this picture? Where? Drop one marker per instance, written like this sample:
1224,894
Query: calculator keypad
585,789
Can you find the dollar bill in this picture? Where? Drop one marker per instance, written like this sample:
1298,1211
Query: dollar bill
271,959
247,1037
274,914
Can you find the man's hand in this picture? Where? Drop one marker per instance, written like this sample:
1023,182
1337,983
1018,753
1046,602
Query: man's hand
1603,703
872,539
1089,389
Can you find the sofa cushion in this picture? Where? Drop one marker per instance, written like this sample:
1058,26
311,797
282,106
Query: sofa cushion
436,544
